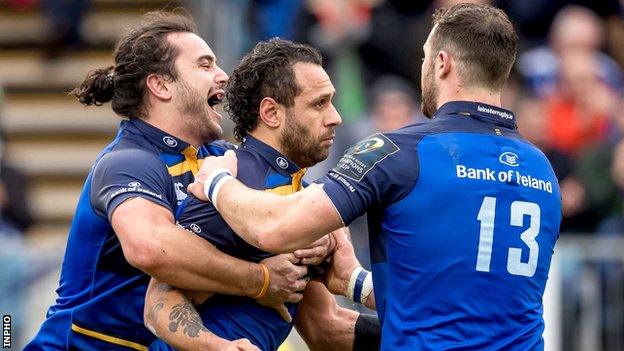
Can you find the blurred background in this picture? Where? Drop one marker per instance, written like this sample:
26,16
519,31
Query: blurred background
566,89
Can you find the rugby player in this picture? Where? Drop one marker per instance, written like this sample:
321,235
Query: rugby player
165,82
280,99
463,212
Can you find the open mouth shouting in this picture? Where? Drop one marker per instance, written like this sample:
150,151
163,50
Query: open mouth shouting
215,99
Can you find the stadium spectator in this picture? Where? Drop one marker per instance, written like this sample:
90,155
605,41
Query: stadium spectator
574,28
463,213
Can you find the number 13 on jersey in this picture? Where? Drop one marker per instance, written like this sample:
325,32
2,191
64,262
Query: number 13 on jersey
519,209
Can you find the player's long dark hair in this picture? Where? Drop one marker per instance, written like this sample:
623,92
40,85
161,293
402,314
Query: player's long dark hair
265,72
142,52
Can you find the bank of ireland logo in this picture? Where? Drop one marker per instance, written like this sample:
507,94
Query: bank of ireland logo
170,141
195,228
281,162
509,158
134,184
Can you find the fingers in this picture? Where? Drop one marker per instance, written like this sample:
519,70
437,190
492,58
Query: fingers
300,271
318,251
246,345
290,258
300,284
197,189
313,261
283,312
294,297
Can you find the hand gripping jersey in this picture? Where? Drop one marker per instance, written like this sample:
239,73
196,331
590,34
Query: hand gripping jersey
463,218
233,317
100,295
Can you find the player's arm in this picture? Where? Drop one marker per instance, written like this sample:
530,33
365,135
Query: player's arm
171,315
152,242
130,187
345,276
269,221
326,326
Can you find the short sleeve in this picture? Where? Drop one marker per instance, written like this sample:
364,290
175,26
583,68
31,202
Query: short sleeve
219,147
376,171
128,173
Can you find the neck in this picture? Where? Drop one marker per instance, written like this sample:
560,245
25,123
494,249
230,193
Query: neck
269,137
469,94
162,120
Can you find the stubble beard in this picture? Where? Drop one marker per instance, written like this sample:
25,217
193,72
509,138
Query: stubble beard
198,122
429,104
299,145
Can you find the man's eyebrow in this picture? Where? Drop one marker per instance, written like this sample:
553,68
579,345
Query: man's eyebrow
324,96
208,58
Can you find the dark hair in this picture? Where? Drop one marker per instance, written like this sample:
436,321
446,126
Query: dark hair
483,40
142,52
266,71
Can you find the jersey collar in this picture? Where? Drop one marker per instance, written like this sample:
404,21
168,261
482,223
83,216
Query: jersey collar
278,161
164,141
478,110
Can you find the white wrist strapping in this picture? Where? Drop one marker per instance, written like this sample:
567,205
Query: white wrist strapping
214,182
360,285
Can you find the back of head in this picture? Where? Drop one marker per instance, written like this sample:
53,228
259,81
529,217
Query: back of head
266,71
143,51
481,39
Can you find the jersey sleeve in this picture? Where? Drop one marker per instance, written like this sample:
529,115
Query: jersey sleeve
375,171
199,217
128,173
219,147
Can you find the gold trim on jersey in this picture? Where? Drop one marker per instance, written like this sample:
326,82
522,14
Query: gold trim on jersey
108,338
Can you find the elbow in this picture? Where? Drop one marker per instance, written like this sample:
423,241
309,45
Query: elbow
274,239
144,256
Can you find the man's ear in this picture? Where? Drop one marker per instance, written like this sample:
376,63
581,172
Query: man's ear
443,64
159,86
271,112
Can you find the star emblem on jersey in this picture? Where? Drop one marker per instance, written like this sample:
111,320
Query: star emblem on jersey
195,228
281,162
170,141
509,159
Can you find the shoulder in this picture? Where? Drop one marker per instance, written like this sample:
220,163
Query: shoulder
252,168
219,147
132,157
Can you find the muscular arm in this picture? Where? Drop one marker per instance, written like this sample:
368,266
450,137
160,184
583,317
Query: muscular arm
153,243
322,323
171,316
272,222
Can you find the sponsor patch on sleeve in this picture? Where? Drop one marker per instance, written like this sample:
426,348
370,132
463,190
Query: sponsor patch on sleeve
360,158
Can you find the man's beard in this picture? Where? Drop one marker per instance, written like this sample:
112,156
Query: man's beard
195,107
429,103
299,145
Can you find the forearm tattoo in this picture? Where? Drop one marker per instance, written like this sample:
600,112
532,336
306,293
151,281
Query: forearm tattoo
184,315
152,315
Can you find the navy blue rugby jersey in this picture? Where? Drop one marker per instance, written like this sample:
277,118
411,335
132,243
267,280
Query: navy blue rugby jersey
463,218
233,317
100,295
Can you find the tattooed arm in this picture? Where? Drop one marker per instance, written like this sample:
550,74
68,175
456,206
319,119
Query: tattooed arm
169,313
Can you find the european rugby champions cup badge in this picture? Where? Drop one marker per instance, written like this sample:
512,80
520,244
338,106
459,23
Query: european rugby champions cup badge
363,156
